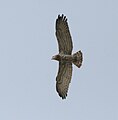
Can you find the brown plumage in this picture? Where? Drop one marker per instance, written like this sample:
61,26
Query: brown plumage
65,56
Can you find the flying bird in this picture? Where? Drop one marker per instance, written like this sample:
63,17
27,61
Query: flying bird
65,56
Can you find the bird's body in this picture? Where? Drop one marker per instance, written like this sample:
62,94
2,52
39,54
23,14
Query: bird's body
65,56
69,58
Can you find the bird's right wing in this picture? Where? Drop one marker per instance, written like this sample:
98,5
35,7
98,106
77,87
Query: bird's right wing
63,78
63,35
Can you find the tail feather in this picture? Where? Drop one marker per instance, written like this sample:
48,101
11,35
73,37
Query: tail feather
77,59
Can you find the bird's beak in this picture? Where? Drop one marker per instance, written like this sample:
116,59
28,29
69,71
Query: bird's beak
53,57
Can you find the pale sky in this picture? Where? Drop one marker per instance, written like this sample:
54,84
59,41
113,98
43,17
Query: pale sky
27,43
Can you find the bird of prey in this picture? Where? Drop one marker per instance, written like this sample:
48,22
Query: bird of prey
65,56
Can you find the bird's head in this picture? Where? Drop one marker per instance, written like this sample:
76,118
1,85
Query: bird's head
56,57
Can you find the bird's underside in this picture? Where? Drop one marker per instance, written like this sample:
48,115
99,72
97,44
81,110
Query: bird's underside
65,56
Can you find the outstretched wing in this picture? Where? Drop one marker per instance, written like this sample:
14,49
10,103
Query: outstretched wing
63,78
63,35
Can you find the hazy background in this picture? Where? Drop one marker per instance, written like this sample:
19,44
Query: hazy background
27,74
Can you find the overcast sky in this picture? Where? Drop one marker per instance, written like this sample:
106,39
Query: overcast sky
27,73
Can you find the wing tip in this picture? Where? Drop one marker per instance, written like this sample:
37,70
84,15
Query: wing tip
63,96
62,17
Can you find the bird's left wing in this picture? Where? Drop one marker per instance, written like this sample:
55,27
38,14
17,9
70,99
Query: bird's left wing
63,35
63,78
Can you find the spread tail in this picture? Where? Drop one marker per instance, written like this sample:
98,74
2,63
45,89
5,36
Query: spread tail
77,59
